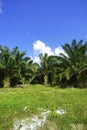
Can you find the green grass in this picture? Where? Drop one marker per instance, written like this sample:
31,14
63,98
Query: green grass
36,98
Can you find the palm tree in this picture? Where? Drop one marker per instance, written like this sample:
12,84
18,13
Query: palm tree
20,66
11,63
46,69
6,64
33,71
73,64
24,66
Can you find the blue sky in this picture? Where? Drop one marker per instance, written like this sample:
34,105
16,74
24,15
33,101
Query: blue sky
31,24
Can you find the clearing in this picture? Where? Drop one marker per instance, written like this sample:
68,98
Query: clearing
67,108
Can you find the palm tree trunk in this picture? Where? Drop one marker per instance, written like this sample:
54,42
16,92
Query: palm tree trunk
6,82
46,79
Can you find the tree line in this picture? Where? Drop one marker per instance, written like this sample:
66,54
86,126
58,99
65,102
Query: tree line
67,69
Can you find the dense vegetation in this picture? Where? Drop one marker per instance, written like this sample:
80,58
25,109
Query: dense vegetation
36,99
68,69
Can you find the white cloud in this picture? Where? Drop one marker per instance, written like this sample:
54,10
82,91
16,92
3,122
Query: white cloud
40,47
59,50
1,7
36,59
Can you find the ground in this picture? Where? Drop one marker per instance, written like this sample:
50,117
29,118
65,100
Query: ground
22,103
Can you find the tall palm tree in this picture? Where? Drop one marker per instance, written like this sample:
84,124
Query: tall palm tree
24,66
6,64
33,71
11,63
73,64
20,66
47,67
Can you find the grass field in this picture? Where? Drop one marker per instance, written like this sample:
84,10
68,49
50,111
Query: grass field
37,98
